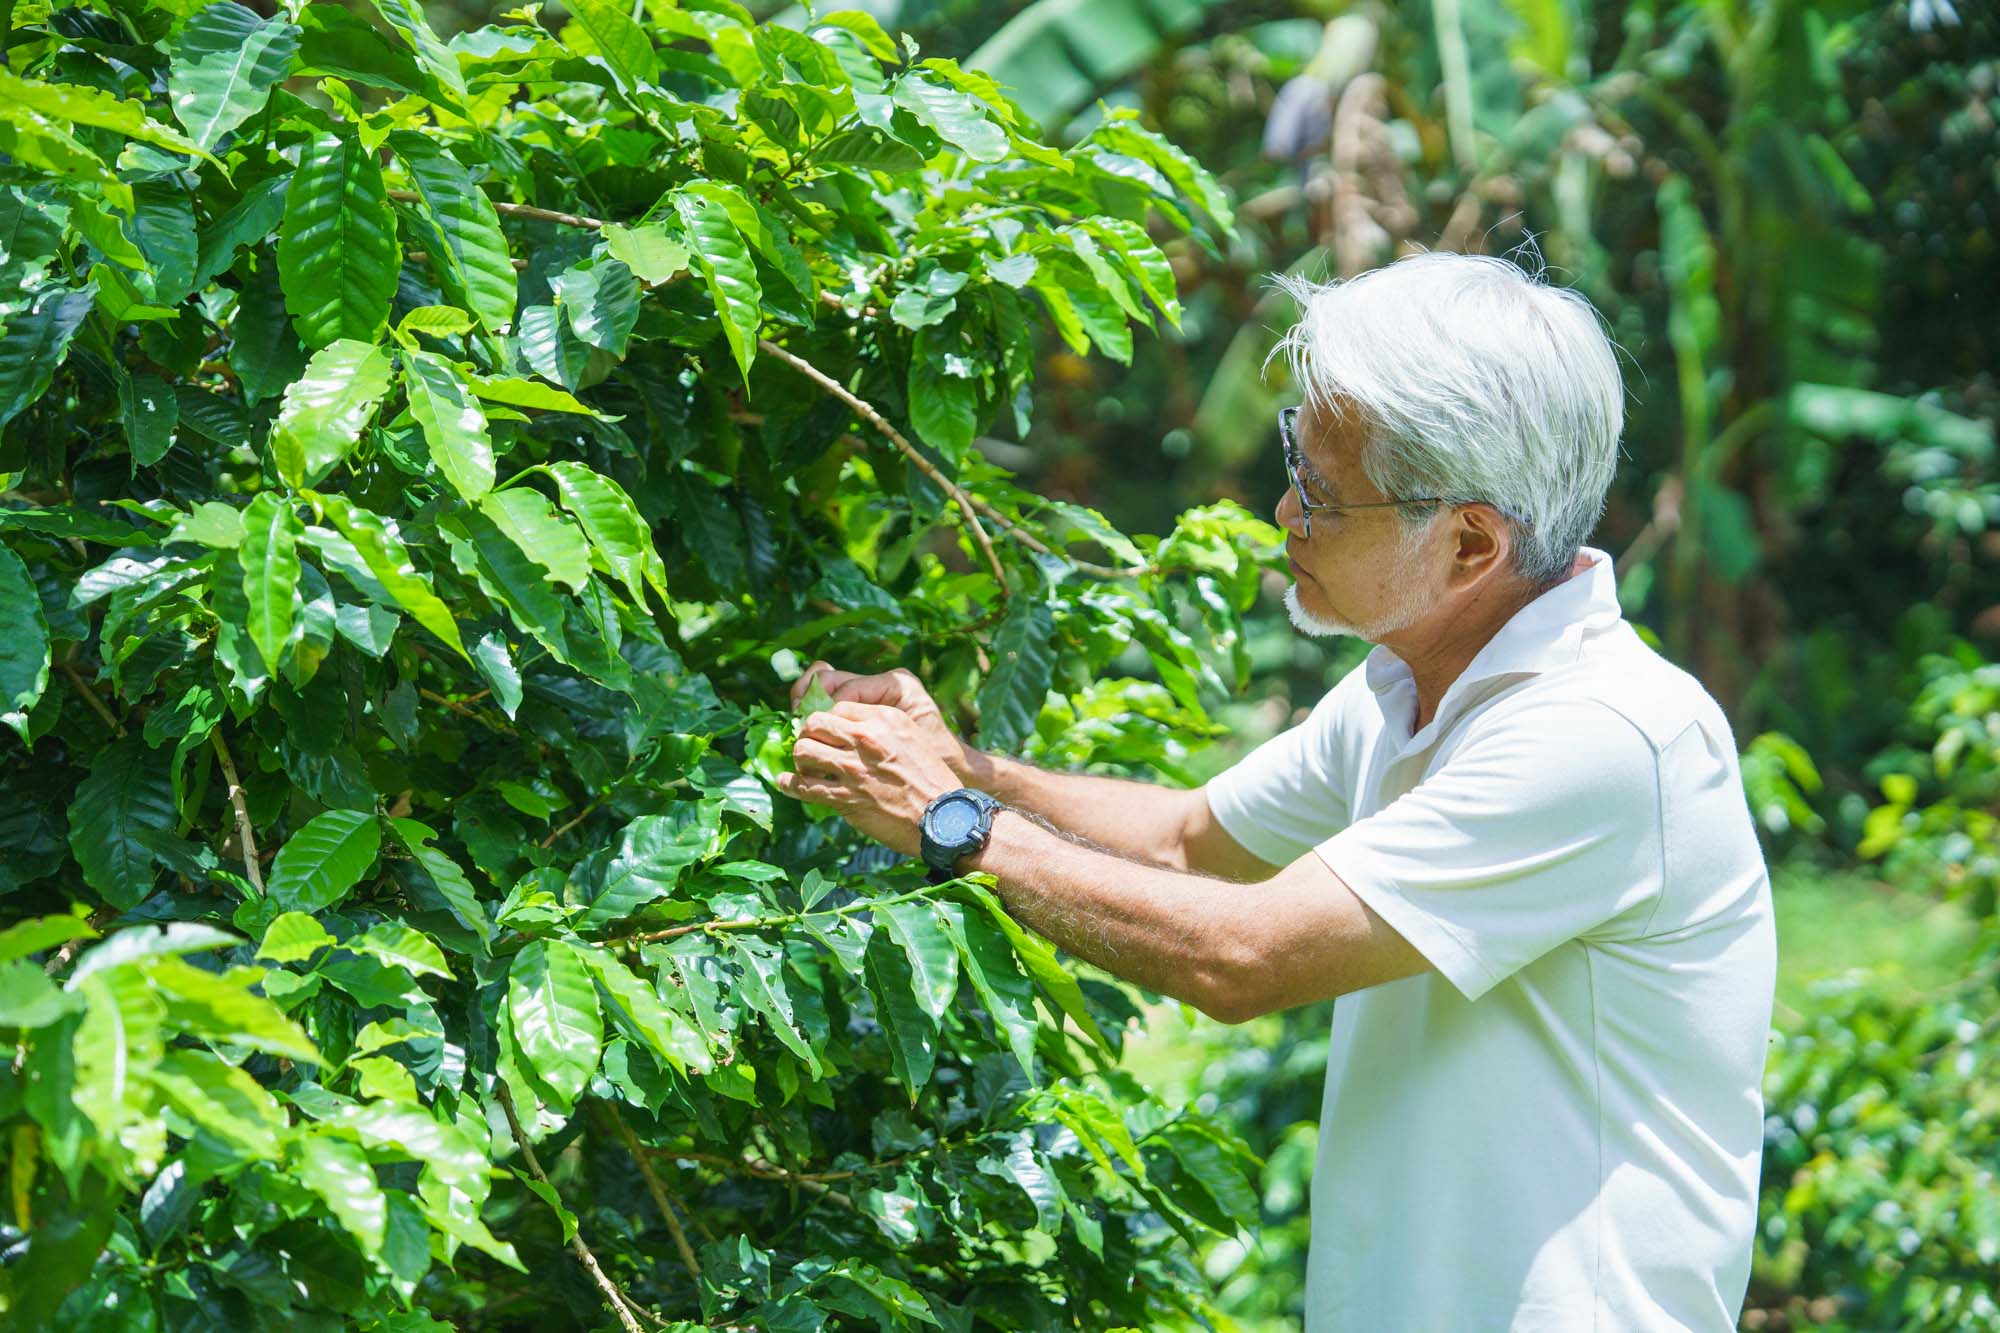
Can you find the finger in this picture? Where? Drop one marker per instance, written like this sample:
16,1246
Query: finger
804,787
829,679
890,689
824,761
829,727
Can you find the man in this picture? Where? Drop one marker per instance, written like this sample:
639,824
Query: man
1514,843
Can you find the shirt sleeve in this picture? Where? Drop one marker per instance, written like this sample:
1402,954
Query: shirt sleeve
1544,827
1290,793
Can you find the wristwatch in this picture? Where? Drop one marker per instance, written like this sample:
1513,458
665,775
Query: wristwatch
955,824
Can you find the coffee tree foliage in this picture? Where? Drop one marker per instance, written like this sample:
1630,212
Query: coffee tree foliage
425,467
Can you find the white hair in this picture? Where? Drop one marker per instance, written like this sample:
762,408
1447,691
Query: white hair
1475,380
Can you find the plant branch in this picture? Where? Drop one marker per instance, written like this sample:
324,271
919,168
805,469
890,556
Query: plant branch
766,922
243,835
654,1186
620,1306
82,687
895,437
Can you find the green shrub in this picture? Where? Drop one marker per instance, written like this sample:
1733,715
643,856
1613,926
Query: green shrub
424,467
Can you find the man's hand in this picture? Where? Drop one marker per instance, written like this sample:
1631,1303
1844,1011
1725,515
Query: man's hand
901,690
876,765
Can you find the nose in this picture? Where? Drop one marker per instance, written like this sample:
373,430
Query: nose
1289,514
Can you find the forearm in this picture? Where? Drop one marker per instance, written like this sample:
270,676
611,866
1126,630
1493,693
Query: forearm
1180,934
1138,820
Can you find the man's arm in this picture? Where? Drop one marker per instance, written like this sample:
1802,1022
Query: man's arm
1163,826
1233,951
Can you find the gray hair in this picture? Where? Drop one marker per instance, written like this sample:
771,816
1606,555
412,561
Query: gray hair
1475,380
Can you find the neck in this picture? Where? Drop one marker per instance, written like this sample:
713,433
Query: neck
1439,648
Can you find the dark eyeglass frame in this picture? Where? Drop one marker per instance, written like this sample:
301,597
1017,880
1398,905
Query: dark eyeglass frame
1288,435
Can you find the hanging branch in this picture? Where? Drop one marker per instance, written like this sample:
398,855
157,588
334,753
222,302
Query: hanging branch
249,843
662,1196
619,1303
895,437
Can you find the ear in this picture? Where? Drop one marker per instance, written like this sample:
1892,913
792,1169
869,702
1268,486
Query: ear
1482,545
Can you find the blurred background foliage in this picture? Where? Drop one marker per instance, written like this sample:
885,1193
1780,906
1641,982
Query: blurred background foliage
1786,211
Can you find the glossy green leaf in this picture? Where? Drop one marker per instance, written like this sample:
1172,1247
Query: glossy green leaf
601,304
602,28
323,861
725,265
39,933
222,1099
451,882
222,1008
338,1172
407,18
388,560
765,989
653,854
635,1007
545,537
552,1005
293,937
944,407
957,118
452,423
1023,661
124,798
402,946
226,60
989,965
337,252
269,556
618,533
650,251
325,409
24,649
911,1031
916,926
82,105
115,1047
1039,962
467,240
34,342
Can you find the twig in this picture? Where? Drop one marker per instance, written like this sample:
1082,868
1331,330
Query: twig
581,816
515,210
249,844
894,436
82,687
616,1298
661,1195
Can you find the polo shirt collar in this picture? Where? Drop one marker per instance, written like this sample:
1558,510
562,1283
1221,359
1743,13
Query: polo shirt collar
1546,633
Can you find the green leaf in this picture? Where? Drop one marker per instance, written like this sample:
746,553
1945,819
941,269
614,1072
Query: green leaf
532,524
80,104
269,556
140,942
126,796
933,961
407,18
602,28
222,1099
42,932
320,863
956,117
909,1028
614,526
531,394
989,966
34,342
654,852
453,425
451,882
1039,962
222,1008
552,1006
151,410
293,937
388,560
635,1006
601,304
1024,659
648,250
337,252
24,648
725,264
226,59
116,1045
338,1171
764,989
468,242
324,411
402,946
944,407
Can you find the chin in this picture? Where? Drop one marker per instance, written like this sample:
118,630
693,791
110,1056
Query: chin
1311,624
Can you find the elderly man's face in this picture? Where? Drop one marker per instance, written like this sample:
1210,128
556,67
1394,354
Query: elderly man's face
1361,572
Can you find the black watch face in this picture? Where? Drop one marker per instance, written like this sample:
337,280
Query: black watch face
954,821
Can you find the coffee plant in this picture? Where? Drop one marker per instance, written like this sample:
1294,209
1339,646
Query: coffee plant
424,466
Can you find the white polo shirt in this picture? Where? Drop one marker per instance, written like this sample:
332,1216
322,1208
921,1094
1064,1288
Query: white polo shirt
1559,1129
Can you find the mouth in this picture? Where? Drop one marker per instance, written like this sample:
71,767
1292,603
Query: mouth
1298,570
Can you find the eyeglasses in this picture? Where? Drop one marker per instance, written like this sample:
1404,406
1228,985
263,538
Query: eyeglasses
1288,432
